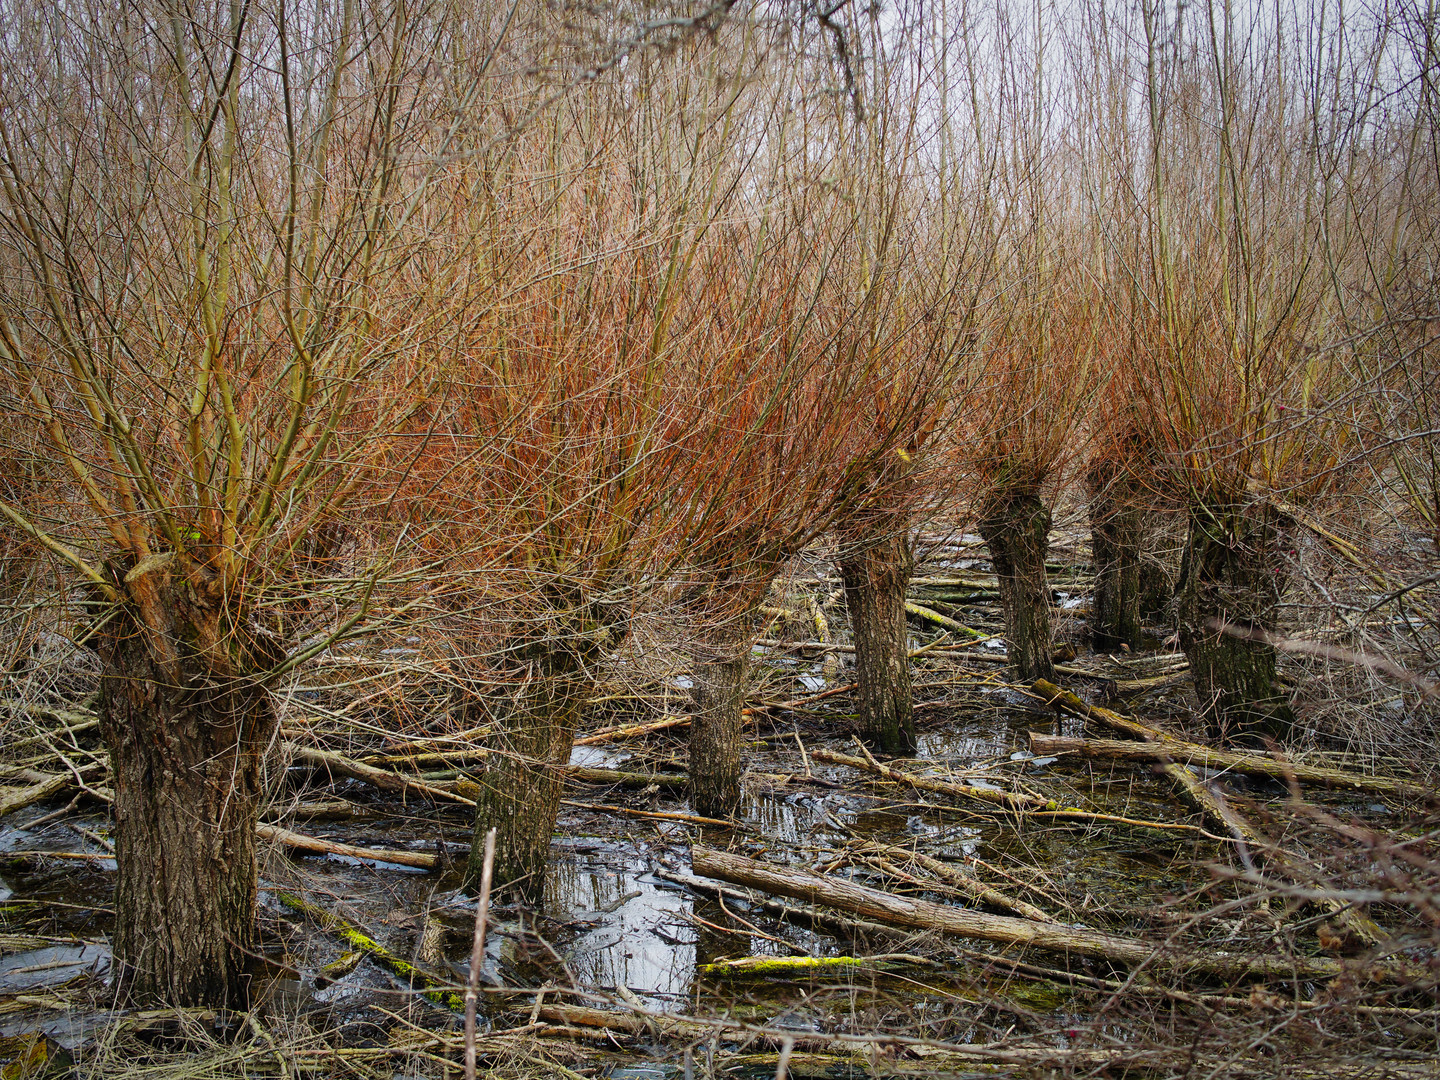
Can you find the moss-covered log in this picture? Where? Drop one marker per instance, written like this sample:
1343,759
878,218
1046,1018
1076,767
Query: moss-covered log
436,989
1250,764
1054,937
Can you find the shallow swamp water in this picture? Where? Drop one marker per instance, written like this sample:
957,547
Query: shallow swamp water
621,928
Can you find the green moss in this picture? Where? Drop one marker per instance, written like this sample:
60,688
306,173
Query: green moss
788,965
372,948
770,965
1039,996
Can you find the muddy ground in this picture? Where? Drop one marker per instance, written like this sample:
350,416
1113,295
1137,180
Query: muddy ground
621,928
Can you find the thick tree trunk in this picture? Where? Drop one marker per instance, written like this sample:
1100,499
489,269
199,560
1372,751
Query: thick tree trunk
521,785
1016,527
716,730
1157,590
1230,585
876,578
1117,531
186,749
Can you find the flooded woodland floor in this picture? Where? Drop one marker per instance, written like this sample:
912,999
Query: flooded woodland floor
623,970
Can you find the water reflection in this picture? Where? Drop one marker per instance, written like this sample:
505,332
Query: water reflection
631,931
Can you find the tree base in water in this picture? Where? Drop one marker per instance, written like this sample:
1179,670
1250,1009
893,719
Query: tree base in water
1117,531
1016,528
186,729
1231,581
876,578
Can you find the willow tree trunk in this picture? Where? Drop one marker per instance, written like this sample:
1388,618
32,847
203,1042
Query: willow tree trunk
876,578
521,785
1016,528
717,729
1157,587
1231,579
187,732
1117,533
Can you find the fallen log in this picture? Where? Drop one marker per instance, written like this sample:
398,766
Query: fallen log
300,842
1006,799
327,809
982,581
1065,701
874,1054
438,990
380,778
810,918
658,815
438,758
1034,805
628,731
804,965
72,723
1200,797
971,887
18,798
962,922
630,1023
461,740
78,856
336,970
1224,760
920,611
1198,794
615,778
1189,787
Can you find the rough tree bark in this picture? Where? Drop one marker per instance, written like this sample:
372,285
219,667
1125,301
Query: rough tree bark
521,784
187,726
1231,579
1157,589
876,578
1016,527
1117,533
717,728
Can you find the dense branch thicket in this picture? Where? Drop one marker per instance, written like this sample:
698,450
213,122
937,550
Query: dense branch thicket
521,326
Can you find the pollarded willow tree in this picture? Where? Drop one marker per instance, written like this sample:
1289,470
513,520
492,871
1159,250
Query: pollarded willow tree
1124,500
204,257
1244,269
1021,427
557,523
556,518
763,450
578,347
913,271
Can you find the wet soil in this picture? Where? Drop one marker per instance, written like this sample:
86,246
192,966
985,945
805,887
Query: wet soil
615,928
